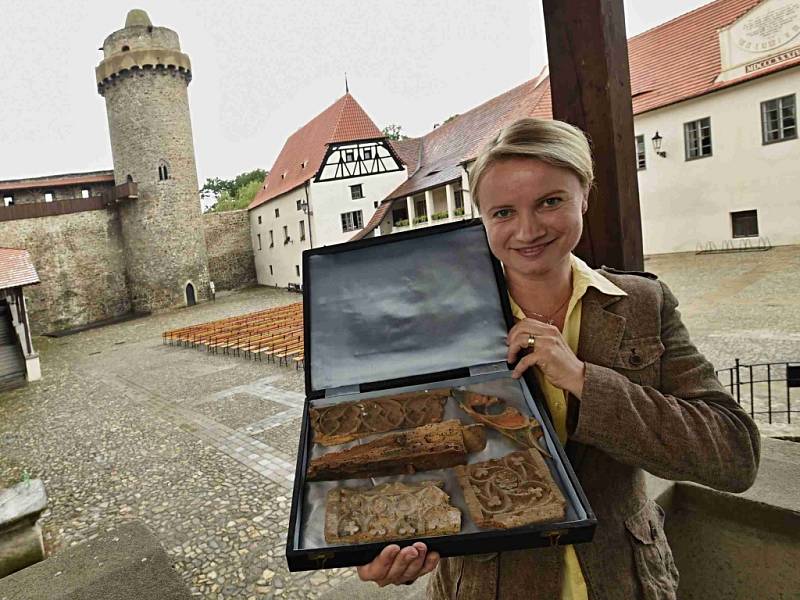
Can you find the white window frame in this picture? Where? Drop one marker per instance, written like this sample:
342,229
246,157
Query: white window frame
693,139
352,221
786,107
357,192
641,156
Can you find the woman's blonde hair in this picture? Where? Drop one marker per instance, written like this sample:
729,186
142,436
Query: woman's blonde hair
554,142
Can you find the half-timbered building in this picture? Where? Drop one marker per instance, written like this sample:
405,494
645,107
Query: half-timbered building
325,185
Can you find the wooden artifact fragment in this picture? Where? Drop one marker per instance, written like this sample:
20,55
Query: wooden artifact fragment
493,412
348,421
433,446
387,512
511,491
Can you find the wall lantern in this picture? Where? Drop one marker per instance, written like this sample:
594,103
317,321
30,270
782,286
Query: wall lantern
657,145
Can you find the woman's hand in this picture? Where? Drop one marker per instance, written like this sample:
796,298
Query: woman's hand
396,566
550,353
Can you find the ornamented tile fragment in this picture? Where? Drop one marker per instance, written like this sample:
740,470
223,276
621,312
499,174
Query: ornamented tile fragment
348,421
433,446
392,511
511,491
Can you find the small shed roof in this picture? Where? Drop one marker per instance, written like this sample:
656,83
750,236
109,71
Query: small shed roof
16,268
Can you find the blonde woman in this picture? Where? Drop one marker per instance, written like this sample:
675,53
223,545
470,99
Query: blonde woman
627,390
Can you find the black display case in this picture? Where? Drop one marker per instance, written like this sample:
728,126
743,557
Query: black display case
419,310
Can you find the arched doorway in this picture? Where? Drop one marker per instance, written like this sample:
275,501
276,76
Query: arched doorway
191,300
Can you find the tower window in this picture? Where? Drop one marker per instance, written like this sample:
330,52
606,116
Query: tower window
8,200
126,48
163,171
48,196
356,192
129,178
85,193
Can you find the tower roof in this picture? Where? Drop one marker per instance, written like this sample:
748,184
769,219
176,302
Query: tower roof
304,150
137,18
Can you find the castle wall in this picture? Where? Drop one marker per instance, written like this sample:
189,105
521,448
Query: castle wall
80,261
230,252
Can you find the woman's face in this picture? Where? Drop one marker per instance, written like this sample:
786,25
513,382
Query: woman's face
533,214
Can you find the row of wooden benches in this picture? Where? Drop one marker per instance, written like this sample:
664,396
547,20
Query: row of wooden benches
276,333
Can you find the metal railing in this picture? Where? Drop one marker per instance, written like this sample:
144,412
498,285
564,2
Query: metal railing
764,389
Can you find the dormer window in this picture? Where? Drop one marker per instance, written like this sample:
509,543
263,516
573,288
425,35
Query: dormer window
283,175
367,153
163,171
349,155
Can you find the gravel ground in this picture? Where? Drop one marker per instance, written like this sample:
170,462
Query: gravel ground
123,427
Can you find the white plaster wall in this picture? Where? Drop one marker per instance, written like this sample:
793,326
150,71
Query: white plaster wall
686,203
282,257
329,199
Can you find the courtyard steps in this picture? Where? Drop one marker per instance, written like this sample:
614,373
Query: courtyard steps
12,363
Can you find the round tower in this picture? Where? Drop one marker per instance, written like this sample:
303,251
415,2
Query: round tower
143,78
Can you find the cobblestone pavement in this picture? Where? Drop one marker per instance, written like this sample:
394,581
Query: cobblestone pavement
201,447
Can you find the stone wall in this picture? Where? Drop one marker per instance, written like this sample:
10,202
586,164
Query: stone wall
81,266
230,252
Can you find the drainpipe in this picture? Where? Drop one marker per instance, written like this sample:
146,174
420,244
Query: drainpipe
308,212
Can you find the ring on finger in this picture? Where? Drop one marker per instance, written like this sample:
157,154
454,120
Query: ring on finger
531,342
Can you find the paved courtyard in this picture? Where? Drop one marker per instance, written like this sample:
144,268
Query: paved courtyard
201,447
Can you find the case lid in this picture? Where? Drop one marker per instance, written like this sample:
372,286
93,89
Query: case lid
402,306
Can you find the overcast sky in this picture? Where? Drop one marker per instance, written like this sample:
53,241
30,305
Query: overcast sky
261,69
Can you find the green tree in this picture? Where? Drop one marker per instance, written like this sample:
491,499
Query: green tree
392,131
233,194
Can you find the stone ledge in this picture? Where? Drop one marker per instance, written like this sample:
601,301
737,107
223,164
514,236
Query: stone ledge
126,563
24,501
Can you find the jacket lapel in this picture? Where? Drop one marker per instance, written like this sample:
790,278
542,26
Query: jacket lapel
598,343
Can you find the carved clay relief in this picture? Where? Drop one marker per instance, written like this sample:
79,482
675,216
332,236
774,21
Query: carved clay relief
511,491
341,423
493,412
433,446
392,511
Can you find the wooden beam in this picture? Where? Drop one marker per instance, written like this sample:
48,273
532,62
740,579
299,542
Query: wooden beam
590,82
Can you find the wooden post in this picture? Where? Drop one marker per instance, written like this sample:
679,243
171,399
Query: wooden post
590,81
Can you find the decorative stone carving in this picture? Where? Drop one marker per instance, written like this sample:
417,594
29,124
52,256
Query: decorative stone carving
511,491
348,421
388,512
433,446
493,412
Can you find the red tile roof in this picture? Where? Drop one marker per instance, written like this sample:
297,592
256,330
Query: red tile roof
57,180
16,268
304,150
675,61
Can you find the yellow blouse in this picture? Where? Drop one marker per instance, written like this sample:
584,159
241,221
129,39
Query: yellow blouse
573,585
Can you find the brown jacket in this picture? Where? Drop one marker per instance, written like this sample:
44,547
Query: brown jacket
651,402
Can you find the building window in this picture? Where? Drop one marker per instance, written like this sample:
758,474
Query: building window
259,219
302,230
641,160
778,120
48,196
277,213
420,207
367,153
697,138
299,204
374,204
744,223
85,193
400,216
163,171
271,239
349,155
270,270
356,192
286,238
297,270
459,198
352,221
258,235
8,200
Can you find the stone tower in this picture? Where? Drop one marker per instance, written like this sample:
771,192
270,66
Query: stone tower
143,78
